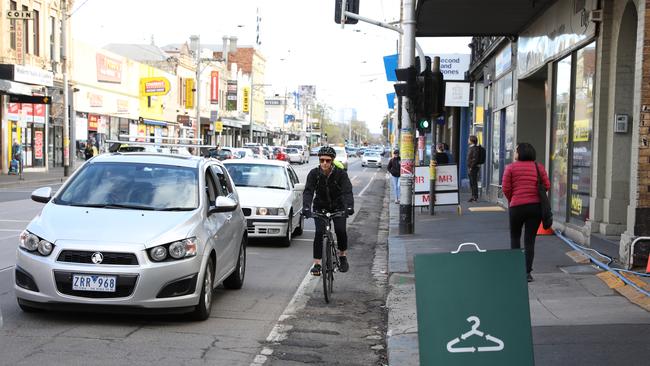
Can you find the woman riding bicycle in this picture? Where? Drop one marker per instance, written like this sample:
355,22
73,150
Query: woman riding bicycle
328,188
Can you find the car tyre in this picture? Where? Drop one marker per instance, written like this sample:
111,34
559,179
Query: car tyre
204,307
298,230
236,279
286,240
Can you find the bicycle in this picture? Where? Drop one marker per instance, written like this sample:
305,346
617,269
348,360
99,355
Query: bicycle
330,260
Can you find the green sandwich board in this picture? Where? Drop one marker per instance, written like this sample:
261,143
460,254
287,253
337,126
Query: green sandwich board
473,309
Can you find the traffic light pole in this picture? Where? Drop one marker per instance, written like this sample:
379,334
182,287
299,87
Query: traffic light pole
435,67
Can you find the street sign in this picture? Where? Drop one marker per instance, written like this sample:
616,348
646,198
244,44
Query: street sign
18,14
218,127
472,309
447,192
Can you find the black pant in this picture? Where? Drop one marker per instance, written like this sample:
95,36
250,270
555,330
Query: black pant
473,181
529,215
341,236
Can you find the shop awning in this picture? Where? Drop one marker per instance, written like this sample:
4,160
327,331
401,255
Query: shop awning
154,122
12,87
230,122
455,18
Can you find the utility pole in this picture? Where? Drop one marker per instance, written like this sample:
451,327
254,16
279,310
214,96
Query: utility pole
407,148
196,39
435,68
64,65
250,102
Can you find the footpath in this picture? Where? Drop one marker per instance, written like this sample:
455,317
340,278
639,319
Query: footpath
31,179
576,318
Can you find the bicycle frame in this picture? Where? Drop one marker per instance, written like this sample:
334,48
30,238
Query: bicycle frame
330,261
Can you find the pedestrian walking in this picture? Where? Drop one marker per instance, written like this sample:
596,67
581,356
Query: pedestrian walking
520,188
394,170
475,158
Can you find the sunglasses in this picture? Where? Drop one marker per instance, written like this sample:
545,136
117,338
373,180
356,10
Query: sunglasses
325,160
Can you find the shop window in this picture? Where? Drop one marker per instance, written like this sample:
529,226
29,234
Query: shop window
560,137
495,152
36,22
25,32
52,38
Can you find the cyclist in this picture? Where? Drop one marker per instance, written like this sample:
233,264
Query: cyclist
328,188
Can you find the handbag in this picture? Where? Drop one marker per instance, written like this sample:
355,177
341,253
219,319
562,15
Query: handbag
547,214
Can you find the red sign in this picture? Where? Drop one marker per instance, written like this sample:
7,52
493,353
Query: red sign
28,110
214,87
38,144
406,167
39,113
93,121
108,69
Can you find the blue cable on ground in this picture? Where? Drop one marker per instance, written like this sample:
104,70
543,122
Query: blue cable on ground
602,265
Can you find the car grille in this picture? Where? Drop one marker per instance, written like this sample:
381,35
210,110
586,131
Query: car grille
125,286
247,211
78,256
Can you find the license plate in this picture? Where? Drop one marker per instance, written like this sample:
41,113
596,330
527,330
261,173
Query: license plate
82,282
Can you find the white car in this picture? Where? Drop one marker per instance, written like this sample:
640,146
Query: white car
243,153
371,158
341,156
137,231
295,155
271,198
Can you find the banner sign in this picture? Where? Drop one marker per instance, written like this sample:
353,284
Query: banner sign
214,87
93,122
246,92
109,70
189,93
231,95
483,317
38,144
447,192
154,86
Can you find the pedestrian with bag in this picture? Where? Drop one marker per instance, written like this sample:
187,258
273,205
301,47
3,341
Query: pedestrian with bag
521,181
475,158
394,170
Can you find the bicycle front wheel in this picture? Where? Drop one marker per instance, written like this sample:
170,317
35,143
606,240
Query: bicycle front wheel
327,268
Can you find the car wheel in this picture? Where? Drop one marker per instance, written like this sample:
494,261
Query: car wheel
236,279
203,309
298,230
286,240
27,308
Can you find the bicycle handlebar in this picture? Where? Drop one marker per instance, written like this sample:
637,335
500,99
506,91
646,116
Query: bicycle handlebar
329,215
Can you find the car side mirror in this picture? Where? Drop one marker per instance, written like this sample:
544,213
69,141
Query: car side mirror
224,204
299,187
42,195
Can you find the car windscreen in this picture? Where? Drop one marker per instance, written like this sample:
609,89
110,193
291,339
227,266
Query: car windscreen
258,175
298,147
133,185
292,151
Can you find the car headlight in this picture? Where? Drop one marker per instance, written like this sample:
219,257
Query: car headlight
263,211
177,250
34,244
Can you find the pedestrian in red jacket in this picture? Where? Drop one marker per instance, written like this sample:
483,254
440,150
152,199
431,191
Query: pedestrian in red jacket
520,188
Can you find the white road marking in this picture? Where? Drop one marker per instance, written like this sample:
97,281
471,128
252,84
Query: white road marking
302,239
12,230
9,220
9,237
6,269
368,185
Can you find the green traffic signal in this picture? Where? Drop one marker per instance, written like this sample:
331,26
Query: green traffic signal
424,124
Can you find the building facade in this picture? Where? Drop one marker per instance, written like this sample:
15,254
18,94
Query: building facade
573,83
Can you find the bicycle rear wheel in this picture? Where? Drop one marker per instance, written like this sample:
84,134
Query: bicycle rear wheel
327,268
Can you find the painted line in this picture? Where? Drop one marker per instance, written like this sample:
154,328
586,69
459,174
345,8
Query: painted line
280,330
12,230
368,185
302,239
7,220
9,237
7,268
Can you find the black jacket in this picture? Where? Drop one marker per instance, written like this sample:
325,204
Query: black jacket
331,193
472,157
394,167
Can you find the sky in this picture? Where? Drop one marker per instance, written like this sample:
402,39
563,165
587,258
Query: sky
299,39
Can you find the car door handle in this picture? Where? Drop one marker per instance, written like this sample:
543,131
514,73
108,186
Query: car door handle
228,217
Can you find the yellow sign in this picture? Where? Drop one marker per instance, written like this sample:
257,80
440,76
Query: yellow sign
218,127
154,86
478,119
581,130
406,149
189,93
246,99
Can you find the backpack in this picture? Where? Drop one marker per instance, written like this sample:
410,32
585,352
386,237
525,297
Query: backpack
481,154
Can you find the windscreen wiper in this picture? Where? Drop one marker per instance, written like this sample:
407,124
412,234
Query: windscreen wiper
113,205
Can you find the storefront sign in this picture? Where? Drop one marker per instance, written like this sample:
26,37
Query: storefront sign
456,94
183,120
38,144
93,122
122,106
20,52
273,102
109,70
32,99
446,185
503,61
231,96
27,112
214,87
154,86
13,111
564,26
453,65
33,75
189,93
246,92
95,100
39,113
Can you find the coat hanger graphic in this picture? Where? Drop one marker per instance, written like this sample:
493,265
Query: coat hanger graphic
474,331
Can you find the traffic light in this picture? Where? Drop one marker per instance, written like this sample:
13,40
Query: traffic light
407,85
351,5
424,126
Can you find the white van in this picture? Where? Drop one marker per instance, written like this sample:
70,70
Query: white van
302,147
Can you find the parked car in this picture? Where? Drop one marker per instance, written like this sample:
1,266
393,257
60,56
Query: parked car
280,153
244,153
341,156
314,151
134,230
271,198
295,156
371,158
302,146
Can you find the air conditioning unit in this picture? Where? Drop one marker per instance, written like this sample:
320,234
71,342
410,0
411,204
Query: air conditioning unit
596,16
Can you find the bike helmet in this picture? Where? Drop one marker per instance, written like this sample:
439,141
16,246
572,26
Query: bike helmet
326,150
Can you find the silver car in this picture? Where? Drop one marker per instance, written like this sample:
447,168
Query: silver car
138,231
